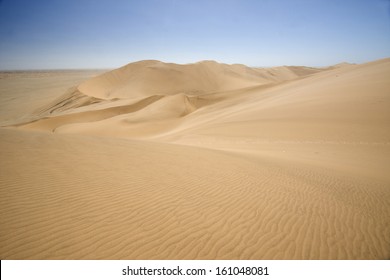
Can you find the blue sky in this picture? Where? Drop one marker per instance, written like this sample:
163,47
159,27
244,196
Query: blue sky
54,34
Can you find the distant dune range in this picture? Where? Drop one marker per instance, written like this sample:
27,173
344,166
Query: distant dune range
157,160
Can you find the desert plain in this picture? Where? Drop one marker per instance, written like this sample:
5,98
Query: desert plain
206,160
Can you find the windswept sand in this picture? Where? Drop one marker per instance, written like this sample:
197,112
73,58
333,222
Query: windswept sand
199,161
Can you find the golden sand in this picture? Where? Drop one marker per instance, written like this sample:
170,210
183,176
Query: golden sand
199,161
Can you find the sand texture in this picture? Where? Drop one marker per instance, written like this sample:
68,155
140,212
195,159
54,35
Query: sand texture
157,160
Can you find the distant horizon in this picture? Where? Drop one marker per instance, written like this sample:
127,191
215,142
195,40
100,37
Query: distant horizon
220,62
103,34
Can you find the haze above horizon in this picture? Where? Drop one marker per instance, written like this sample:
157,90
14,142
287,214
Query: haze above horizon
56,34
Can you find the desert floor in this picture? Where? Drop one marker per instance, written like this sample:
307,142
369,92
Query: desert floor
199,161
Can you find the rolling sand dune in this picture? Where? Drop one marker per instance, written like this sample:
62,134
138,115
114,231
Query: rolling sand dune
199,161
22,92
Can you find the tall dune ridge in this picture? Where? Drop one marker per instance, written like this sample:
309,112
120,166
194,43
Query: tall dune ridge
207,160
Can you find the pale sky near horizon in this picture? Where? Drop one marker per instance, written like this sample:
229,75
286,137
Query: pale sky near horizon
55,34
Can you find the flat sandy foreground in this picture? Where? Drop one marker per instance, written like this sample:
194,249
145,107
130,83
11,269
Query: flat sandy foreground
199,161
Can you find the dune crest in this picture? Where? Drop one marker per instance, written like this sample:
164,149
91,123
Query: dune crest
154,77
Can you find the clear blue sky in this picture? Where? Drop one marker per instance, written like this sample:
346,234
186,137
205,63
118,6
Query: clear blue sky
45,34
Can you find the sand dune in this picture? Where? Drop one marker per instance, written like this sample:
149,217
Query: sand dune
22,92
154,77
201,161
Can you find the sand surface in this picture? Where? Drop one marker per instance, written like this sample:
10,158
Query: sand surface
200,161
